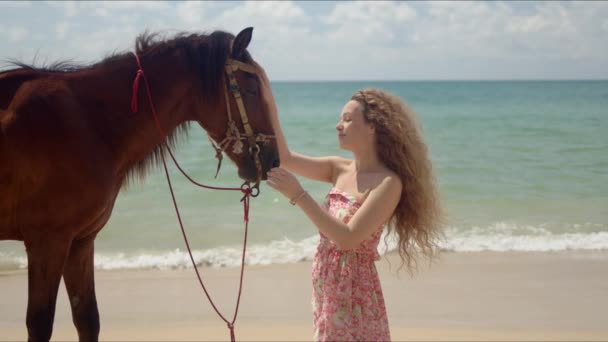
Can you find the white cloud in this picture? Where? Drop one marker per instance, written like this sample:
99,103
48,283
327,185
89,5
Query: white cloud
283,11
350,40
16,33
368,22
531,24
117,38
399,40
15,4
489,29
190,14
61,29
460,22
458,38
101,12
122,6
363,12
70,8
282,36
273,18
107,8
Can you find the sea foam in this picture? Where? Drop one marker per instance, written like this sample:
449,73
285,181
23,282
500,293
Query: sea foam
498,237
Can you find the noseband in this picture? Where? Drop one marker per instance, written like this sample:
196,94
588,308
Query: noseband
233,135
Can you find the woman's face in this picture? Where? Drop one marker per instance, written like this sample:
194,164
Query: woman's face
353,131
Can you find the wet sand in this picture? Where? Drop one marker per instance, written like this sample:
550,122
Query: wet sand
463,296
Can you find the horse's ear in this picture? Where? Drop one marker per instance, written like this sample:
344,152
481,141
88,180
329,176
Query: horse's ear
241,42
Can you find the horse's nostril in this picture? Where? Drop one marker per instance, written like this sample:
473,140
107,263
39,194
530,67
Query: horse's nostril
276,163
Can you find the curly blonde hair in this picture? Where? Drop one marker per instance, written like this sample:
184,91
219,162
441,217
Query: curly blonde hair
418,217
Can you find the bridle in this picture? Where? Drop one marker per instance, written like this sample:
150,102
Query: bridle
233,135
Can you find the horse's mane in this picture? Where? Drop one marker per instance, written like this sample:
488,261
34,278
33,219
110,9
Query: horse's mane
206,53
138,172
215,48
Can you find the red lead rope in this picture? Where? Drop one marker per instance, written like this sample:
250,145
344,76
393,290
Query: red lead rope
245,199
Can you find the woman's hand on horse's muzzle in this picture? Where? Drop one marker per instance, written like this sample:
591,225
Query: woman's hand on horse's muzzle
284,182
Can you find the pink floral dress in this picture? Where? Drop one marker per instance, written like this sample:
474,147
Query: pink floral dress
347,298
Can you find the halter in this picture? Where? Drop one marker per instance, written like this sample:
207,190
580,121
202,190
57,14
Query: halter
245,188
233,135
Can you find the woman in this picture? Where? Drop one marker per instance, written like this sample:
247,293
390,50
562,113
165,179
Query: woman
389,181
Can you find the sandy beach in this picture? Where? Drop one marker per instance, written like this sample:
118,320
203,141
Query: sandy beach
463,296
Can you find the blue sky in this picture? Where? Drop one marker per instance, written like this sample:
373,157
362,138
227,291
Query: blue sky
309,40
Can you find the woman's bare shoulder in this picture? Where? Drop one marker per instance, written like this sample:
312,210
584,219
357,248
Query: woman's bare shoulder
384,179
389,177
341,166
342,163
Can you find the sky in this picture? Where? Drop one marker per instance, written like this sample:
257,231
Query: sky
335,40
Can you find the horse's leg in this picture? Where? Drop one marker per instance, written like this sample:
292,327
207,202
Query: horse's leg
78,275
46,257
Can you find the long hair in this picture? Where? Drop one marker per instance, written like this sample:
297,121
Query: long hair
418,216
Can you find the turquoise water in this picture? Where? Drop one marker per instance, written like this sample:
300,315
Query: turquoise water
521,165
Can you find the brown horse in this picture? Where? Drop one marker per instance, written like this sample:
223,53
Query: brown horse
69,142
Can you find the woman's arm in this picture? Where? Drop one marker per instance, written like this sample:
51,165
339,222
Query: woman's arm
317,168
376,210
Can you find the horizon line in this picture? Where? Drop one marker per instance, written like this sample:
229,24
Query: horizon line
446,80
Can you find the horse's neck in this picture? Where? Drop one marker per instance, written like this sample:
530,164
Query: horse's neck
134,136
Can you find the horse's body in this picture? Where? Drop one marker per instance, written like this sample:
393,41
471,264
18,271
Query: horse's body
69,143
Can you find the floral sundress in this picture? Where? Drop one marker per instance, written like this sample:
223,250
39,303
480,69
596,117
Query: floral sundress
347,298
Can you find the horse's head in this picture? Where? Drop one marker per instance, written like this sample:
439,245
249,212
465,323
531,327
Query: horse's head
244,131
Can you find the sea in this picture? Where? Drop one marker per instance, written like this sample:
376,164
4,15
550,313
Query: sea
520,166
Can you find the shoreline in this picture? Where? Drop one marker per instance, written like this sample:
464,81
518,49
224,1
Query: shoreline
462,296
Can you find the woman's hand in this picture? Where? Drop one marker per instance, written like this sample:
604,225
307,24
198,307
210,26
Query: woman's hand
285,182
